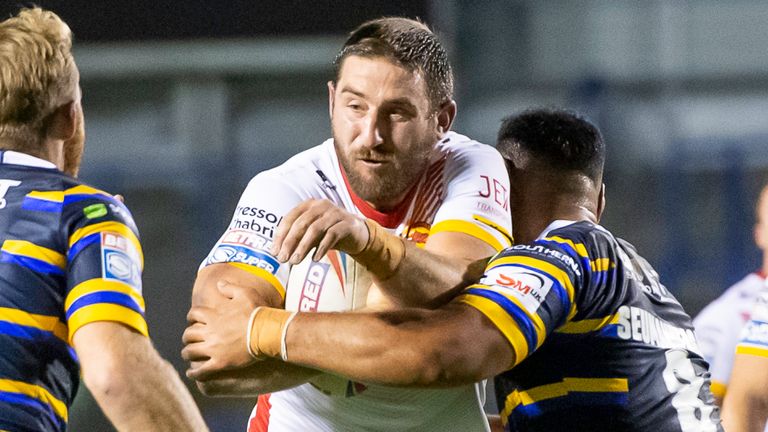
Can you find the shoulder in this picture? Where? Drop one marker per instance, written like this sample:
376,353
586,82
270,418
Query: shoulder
460,149
297,176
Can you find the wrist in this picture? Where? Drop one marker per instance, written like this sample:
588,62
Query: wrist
266,332
383,253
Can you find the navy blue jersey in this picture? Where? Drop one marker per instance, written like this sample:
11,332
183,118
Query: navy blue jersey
600,343
69,256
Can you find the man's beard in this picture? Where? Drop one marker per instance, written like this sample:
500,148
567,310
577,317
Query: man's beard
390,184
73,148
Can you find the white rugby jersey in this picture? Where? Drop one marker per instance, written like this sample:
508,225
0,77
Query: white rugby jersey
465,189
719,325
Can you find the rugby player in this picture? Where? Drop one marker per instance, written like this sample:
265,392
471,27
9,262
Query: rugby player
719,325
70,258
577,326
410,200
746,402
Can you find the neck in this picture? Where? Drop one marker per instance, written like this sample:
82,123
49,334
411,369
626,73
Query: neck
542,206
51,151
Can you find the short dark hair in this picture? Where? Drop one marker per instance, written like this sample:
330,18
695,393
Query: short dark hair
558,138
407,43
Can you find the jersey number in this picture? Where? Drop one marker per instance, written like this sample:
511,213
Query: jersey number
681,380
4,186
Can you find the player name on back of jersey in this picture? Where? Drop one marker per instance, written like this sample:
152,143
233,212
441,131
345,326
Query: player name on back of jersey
637,324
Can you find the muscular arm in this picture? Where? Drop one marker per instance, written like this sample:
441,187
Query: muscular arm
135,387
426,276
746,402
450,346
270,375
432,275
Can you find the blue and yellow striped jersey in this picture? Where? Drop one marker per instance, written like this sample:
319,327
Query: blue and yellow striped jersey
600,343
69,256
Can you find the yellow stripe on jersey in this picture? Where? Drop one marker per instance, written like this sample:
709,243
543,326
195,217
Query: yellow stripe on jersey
106,312
43,322
260,272
97,285
37,392
85,190
110,226
544,267
578,247
31,250
588,325
503,321
562,388
53,196
497,227
601,264
755,350
467,228
538,323
718,388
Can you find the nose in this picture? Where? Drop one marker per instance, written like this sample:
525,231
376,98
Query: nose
372,132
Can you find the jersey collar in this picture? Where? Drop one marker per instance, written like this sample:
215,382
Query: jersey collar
16,158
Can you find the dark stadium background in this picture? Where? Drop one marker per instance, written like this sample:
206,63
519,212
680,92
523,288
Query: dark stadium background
186,100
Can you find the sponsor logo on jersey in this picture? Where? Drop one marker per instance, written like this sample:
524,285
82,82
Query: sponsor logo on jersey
120,260
224,253
95,211
545,251
527,286
313,286
4,186
495,190
418,233
755,332
249,239
258,213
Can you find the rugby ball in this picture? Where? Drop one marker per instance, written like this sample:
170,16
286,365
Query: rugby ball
334,283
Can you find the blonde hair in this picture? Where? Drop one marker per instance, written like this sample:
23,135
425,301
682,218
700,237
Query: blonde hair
37,74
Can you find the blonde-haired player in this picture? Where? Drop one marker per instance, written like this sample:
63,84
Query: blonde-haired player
70,259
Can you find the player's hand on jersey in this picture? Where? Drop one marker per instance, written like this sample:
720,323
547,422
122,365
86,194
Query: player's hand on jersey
216,338
318,224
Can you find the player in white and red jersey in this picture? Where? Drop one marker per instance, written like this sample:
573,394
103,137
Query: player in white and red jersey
394,171
745,407
719,325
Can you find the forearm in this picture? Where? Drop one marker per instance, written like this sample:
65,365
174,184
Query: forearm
428,279
262,377
155,400
410,348
135,387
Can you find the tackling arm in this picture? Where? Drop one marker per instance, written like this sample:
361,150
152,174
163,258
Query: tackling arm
269,376
450,346
135,387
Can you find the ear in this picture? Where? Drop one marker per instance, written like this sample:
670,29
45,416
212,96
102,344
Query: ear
331,97
445,116
600,202
62,123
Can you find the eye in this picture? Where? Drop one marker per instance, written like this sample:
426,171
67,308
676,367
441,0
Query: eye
399,116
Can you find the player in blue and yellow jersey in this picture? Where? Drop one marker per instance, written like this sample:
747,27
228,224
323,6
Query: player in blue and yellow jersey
70,258
577,326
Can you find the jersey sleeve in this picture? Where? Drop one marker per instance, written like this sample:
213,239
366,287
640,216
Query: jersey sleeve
104,262
754,335
477,196
246,242
527,291
717,333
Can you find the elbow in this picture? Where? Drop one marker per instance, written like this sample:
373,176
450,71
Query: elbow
108,380
436,365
